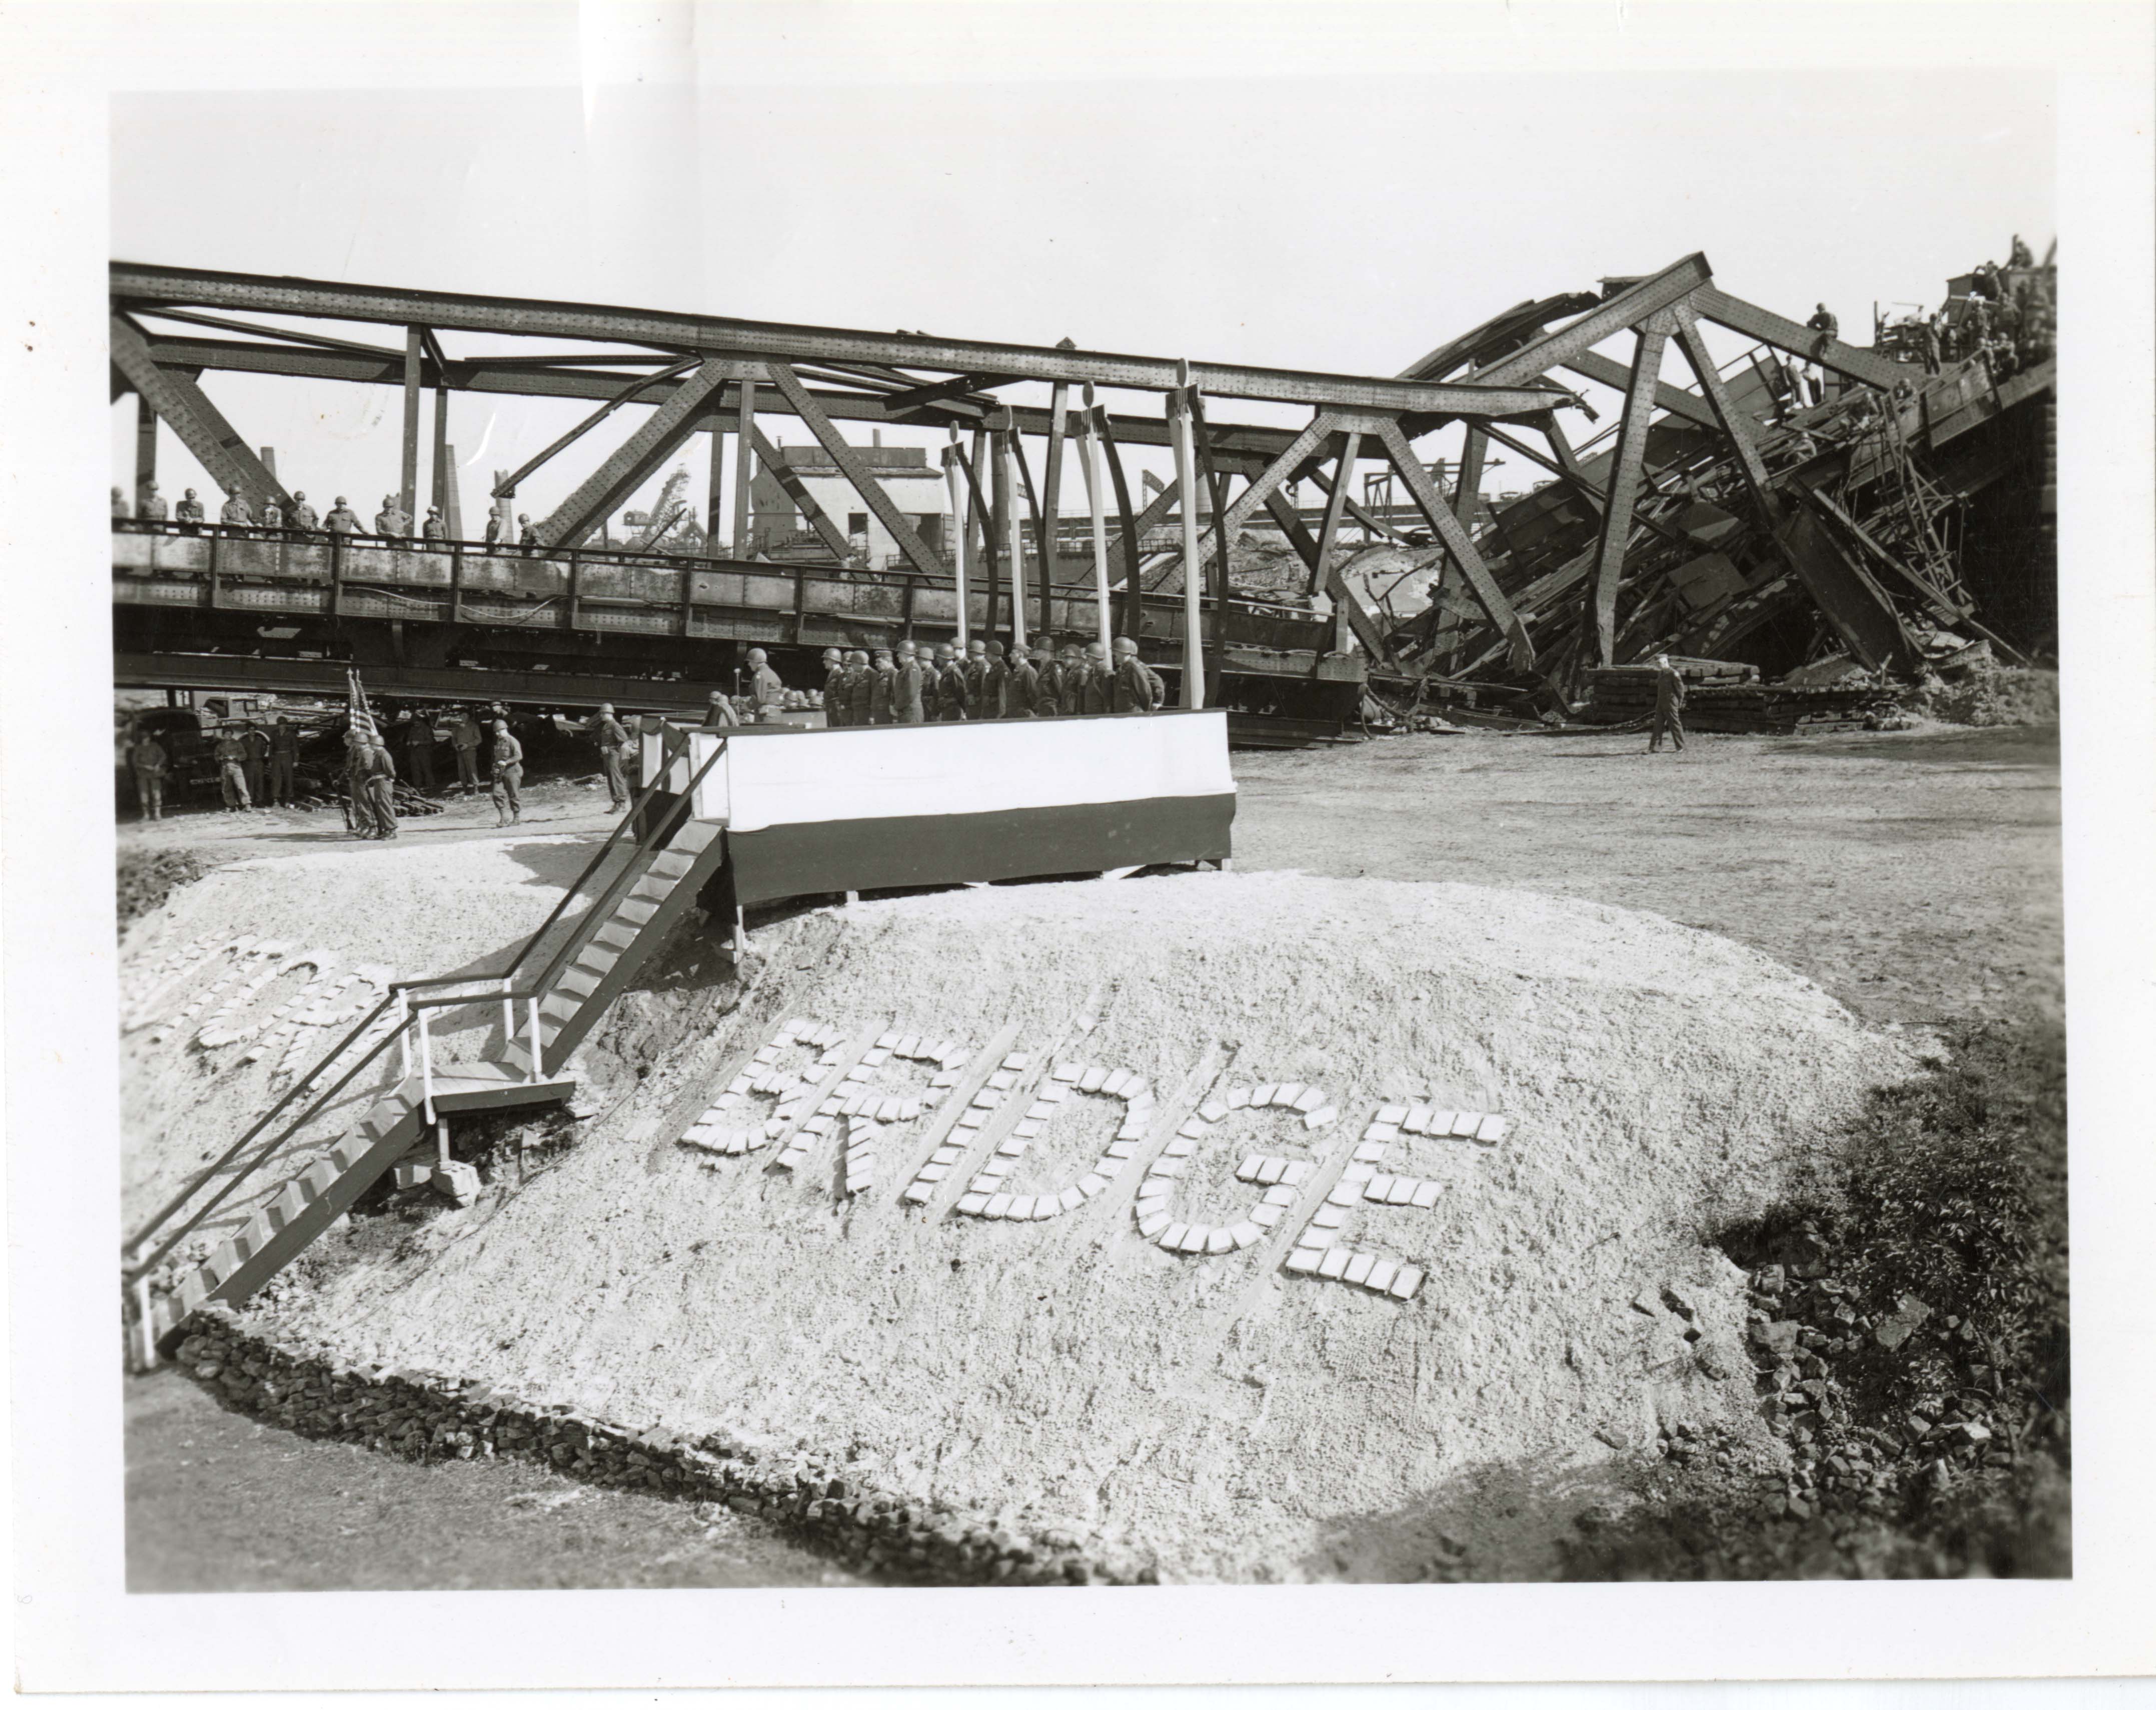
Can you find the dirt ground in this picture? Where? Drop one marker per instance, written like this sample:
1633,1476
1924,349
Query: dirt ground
217,1502
1913,876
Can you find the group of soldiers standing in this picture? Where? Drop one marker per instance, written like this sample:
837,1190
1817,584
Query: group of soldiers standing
391,520
904,684
255,766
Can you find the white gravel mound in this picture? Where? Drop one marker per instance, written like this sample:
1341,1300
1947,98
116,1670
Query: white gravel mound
1235,1417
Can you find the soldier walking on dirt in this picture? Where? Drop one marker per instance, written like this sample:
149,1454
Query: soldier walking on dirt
508,776
603,728
1669,705
284,760
147,760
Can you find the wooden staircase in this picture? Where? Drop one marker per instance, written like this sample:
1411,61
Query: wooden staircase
641,910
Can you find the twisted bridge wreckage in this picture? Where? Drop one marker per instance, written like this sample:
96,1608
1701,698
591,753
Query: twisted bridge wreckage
1809,496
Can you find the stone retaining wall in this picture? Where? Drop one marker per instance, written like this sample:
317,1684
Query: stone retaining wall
426,1416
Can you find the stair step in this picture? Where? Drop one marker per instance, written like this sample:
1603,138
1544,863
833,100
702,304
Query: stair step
577,981
615,934
636,910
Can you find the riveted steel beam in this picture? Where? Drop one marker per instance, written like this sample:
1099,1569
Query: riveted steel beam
196,288
792,486
1422,490
858,473
1769,328
1678,401
217,445
1627,309
1627,468
654,441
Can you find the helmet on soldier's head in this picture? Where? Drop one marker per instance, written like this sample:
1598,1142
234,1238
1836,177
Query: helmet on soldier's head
1125,645
756,656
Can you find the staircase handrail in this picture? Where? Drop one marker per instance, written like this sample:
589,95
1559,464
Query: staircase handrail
143,1266
399,994
668,751
597,914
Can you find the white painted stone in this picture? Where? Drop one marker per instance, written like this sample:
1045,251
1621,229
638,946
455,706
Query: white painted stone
1266,1216
1220,1240
1369,1151
972,1118
1334,1262
1287,1093
1392,1114
1381,1276
998,1205
1425,1194
1360,1266
1089,1185
1152,1225
1013,1148
1070,1199
1179,1148
1092,1080
1282,1194
1244,1234
1236,1098
1329,1216
1402,1190
1067,1072
1262,1095
885,1042
1491,1130
1050,1093
1027,1130
1116,1082
1317,1237
1108,1168
1213,1110
1356,1173
1018,1059
1169,1166
1303,1260
1405,1282
1321,1118
1297,1173
933,1171
1172,1237
1247,1170
1001,1080
1344,1193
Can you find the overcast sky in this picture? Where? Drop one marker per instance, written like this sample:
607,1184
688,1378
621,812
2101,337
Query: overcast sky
1328,223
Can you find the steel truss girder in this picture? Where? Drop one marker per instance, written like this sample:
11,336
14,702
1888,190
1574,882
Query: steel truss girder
189,287
857,473
1626,470
631,464
1769,328
216,443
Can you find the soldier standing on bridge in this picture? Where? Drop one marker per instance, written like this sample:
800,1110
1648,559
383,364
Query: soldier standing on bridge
119,504
235,513
152,507
1669,705
342,518
147,760
434,528
273,513
301,518
189,509
526,535
766,694
284,760
508,776
390,520
605,729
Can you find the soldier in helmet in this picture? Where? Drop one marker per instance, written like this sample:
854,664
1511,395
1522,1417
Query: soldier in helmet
883,689
1669,705
909,695
119,504
1138,686
858,687
1070,680
189,509
434,528
1021,682
342,518
1098,690
606,730
834,702
950,685
765,693
301,518
152,507
977,678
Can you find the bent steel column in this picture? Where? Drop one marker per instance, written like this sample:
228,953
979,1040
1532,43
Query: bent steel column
1626,469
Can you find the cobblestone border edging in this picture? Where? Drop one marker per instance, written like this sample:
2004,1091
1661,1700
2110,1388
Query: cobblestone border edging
427,1416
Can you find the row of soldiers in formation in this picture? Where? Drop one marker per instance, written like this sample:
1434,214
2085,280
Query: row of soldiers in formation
902,685
254,763
300,517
